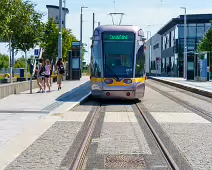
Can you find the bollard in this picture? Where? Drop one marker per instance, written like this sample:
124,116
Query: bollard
31,84
31,72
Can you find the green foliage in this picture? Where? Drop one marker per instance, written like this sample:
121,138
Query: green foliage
206,44
50,40
20,63
8,13
4,61
29,29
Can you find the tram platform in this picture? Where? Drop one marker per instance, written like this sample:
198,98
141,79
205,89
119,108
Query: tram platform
24,117
202,88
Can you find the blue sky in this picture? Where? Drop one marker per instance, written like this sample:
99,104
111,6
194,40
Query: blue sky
150,15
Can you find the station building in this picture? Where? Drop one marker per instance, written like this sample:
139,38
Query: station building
164,51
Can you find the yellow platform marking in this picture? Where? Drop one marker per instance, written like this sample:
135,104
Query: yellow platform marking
58,114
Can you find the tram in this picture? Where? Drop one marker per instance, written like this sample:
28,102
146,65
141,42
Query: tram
117,65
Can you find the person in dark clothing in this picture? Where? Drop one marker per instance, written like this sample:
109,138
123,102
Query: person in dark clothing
61,71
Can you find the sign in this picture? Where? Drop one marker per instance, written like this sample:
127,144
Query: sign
36,52
121,36
75,45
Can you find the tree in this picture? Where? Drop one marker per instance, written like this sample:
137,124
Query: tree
30,28
4,61
20,63
206,44
50,40
8,12
20,25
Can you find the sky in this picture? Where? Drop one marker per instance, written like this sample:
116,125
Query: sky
150,15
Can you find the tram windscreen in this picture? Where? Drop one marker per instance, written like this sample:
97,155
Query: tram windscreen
118,52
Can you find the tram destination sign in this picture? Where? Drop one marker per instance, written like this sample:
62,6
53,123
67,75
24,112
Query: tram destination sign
120,36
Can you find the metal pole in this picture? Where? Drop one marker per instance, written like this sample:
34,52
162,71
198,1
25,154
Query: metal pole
31,84
26,66
185,45
64,1
81,41
11,69
60,31
93,22
185,27
13,61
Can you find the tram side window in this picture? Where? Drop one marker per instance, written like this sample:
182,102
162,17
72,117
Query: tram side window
97,61
140,61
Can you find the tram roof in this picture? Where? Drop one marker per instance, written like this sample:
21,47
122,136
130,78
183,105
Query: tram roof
103,28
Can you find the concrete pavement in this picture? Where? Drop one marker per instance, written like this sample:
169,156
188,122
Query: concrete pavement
24,117
203,88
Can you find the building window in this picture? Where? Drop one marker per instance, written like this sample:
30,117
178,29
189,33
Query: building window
191,30
164,42
156,46
153,65
172,38
200,30
167,41
207,27
180,31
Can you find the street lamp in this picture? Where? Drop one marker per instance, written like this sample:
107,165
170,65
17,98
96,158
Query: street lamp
60,30
185,45
150,52
81,35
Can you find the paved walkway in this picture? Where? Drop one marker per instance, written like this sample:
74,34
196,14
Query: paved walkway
199,86
25,112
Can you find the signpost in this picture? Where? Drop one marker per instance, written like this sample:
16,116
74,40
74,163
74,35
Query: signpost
36,53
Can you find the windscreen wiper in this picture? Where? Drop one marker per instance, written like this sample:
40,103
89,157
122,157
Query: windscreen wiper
114,74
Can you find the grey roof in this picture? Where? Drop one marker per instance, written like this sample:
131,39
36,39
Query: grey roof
191,18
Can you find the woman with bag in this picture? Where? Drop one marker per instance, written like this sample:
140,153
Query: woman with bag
40,74
47,75
60,71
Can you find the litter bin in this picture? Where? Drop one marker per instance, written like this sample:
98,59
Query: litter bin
21,73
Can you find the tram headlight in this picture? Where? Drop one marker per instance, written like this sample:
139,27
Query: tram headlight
127,81
108,81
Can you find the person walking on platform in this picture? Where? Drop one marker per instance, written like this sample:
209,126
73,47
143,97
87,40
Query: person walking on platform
39,75
47,75
60,71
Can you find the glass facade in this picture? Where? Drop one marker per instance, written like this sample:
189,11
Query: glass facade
173,65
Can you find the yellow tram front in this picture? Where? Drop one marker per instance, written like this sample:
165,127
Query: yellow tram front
117,62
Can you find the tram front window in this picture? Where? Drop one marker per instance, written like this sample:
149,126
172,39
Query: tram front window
118,58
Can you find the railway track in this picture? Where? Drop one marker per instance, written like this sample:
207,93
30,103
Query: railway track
80,158
187,105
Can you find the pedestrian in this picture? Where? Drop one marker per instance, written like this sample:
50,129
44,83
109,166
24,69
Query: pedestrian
60,72
39,71
47,75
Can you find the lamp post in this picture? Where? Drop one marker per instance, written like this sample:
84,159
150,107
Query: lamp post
185,45
81,38
60,31
150,48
